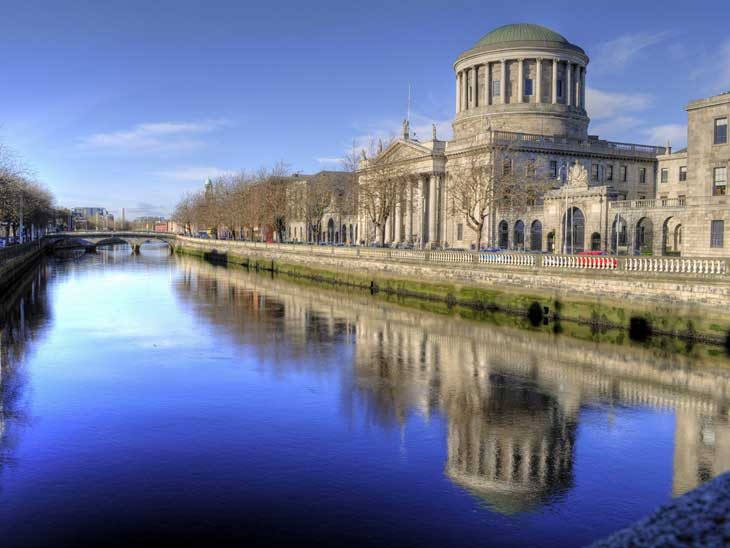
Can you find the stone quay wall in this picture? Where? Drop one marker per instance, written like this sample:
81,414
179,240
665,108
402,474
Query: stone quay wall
629,280
17,259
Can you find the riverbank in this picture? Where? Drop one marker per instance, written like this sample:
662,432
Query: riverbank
611,302
16,260
699,518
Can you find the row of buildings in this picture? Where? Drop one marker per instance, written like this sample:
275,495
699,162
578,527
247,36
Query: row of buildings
520,112
520,99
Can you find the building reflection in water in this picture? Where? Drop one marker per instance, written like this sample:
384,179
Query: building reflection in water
511,398
24,310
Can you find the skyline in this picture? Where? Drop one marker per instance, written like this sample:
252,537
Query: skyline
132,105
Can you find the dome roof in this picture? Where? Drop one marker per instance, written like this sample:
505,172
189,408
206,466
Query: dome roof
523,32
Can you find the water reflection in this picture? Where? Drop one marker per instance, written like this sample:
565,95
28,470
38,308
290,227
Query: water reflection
24,311
512,399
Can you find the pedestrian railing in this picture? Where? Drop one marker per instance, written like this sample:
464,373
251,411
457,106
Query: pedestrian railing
13,251
676,265
713,267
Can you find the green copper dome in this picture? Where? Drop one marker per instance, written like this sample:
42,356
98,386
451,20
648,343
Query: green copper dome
523,32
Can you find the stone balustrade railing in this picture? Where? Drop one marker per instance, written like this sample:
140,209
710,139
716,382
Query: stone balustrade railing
675,266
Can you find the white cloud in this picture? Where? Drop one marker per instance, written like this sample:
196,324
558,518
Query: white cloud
616,54
153,137
713,73
605,104
386,130
328,160
675,133
193,173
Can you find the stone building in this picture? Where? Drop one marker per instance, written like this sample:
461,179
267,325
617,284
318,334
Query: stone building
520,108
321,208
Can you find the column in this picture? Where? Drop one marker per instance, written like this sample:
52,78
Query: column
569,83
409,213
520,80
577,85
432,209
388,223
465,90
421,214
503,87
474,86
583,87
442,209
555,81
398,220
458,92
538,77
487,84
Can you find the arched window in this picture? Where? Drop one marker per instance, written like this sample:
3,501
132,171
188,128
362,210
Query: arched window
344,234
644,236
595,241
330,231
536,236
503,234
551,242
518,239
573,231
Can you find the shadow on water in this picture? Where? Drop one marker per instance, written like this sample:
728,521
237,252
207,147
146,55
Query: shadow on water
24,310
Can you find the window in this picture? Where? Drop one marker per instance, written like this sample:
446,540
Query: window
682,173
622,173
642,174
682,199
530,169
609,173
560,89
717,233
719,181
528,87
507,167
663,200
495,88
554,169
594,172
720,131
664,175
460,231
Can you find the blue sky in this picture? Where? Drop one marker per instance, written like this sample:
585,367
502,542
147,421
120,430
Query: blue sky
130,104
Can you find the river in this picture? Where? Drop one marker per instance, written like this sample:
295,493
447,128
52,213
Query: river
157,398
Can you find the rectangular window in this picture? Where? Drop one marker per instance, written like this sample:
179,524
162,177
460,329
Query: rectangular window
663,200
460,231
642,174
664,175
719,181
622,173
609,173
717,233
594,172
560,89
528,87
554,169
506,167
721,131
682,173
530,169
495,88
682,199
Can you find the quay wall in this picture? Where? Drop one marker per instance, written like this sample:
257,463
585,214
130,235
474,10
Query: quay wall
625,286
15,260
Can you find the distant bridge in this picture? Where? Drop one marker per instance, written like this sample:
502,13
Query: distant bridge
91,240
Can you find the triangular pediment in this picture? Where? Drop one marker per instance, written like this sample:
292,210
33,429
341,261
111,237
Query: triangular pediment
402,150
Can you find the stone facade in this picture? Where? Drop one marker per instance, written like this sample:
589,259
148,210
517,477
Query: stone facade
635,199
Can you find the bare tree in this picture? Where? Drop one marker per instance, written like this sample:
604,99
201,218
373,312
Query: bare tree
378,192
486,183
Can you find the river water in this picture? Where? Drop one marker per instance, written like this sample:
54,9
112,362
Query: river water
154,398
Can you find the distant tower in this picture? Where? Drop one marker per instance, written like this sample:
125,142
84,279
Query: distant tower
208,185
